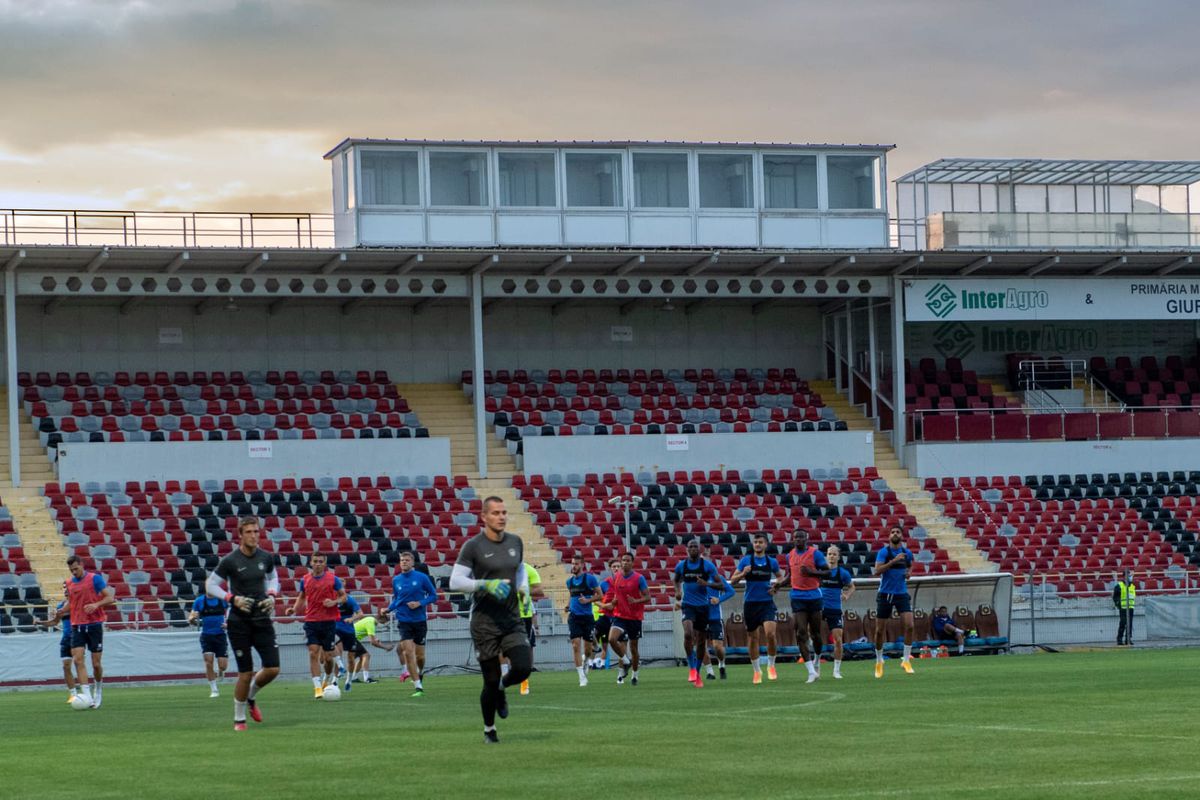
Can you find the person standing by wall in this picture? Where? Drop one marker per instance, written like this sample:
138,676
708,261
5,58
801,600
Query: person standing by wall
1124,598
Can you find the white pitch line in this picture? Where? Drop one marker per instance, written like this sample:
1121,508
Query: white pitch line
1028,729
1008,787
829,697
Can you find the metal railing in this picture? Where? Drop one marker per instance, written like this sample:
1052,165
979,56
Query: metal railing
1076,423
20,226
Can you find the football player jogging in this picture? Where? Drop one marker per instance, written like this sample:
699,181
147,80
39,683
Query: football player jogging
584,589
62,613
348,647
87,596
807,566
692,577
630,595
209,613
892,564
253,584
412,592
321,593
490,568
762,574
528,618
602,612
836,588
718,594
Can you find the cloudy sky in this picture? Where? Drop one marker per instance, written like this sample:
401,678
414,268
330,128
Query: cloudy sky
229,104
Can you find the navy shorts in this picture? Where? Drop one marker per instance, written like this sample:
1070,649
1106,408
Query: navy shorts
214,643
697,615
945,636
716,630
350,642
833,618
632,627
602,626
885,604
813,606
89,636
581,626
323,634
414,632
758,612
64,649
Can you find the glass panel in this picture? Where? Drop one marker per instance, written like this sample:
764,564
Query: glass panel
458,179
851,181
660,180
389,179
726,181
1030,199
348,171
790,181
594,180
527,179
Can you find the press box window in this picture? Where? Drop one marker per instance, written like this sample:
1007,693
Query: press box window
790,181
594,180
458,179
660,181
852,182
527,179
389,179
726,181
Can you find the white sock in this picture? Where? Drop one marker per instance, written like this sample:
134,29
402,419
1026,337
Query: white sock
580,670
634,673
340,662
879,655
317,682
239,711
837,665
721,663
710,670
770,661
417,684
503,670
907,652
626,660
812,665
212,685
489,728
366,676
757,666
253,690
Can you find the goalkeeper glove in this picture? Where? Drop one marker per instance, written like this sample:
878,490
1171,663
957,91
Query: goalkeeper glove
497,588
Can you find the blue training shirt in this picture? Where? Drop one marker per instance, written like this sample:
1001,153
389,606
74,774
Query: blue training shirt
694,594
345,611
66,623
940,622
580,586
819,562
831,588
408,587
758,579
726,592
893,581
212,615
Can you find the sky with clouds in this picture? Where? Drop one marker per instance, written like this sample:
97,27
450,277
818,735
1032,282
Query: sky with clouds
230,104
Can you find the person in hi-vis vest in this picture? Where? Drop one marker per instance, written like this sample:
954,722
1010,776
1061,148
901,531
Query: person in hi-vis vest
1124,598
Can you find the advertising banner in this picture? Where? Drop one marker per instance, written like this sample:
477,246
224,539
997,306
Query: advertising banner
1082,298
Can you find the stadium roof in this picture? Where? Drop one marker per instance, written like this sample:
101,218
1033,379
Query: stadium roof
351,142
1055,171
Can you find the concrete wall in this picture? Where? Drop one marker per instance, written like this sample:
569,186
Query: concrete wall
969,459
431,346
142,461
564,454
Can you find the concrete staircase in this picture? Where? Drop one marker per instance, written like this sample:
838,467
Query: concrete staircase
40,538
909,490
999,389
36,469
1095,396
446,411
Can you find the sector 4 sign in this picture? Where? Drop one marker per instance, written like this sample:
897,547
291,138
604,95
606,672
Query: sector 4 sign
1050,299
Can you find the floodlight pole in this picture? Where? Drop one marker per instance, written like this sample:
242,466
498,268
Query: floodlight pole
10,344
479,394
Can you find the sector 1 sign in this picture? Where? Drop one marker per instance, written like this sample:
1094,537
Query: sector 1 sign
1080,298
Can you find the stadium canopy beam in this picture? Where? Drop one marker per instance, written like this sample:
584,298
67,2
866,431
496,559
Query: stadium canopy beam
910,264
630,265
332,265
898,411
177,262
1175,265
838,266
558,264
477,399
409,264
14,262
1043,265
256,262
976,265
10,350
97,262
872,365
1110,265
484,265
767,267
129,305
702,264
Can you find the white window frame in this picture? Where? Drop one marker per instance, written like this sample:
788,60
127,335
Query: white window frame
624,165
422,177
876,169
822,195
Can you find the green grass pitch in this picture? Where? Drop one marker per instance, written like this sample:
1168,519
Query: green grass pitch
1086,725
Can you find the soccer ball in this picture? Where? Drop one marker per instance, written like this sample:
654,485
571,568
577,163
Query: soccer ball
80,703
332,694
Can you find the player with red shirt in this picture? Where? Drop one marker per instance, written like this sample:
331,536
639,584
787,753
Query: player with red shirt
87,596
629,597
321,592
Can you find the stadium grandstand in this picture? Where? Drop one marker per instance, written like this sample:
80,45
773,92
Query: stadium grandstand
633,344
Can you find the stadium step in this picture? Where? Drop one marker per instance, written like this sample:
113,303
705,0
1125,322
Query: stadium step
40,537
1000,389
446,411
36,469
919,503
1096,396
538,550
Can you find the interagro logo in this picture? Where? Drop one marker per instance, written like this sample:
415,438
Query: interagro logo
953,340
940,301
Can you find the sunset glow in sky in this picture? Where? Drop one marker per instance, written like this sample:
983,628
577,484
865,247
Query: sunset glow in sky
224,105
